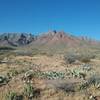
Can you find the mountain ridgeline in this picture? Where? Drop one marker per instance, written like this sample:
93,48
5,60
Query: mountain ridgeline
49,38
16,39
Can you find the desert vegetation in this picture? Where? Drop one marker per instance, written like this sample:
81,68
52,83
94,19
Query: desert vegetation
41,73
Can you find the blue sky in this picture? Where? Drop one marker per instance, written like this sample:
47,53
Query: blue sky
79,17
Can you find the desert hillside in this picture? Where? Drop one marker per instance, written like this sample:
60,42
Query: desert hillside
51,66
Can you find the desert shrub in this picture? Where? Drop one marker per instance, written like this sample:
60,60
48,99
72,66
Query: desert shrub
29,91
86,67
46,53
3,80
67,87
92,56
53,75
28,76
77,73
6,48
11,96
94,80
35,51
39,74
82,86
3,55
70,58
49,74
12,73
23,53
85,57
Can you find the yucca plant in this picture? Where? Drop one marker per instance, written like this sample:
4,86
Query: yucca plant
29,91
83,86
78,73
94,80
11,96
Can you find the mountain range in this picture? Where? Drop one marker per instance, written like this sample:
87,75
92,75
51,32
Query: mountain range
51,38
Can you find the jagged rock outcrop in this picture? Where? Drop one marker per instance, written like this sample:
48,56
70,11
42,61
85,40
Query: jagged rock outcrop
51,38
16,39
